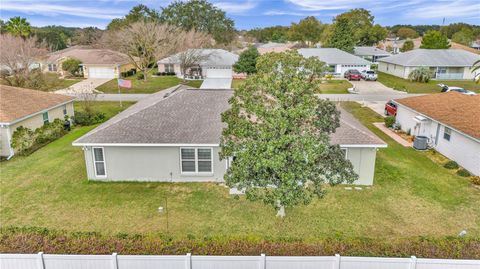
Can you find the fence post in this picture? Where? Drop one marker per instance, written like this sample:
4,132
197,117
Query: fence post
188,261
413,262
114,261
263,261
337,261
40,263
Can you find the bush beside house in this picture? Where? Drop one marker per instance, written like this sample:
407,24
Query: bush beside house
26,141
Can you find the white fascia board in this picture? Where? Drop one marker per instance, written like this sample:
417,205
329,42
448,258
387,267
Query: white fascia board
363,145
76,144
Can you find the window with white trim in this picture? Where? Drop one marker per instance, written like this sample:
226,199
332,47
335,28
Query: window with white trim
52,67
45,117
196,160
447,133
99,162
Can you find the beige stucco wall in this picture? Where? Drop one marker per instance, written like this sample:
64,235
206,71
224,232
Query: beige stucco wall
33,122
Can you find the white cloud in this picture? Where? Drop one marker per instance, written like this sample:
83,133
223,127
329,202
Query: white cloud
291,13
53,9
318,5
236,7
449,9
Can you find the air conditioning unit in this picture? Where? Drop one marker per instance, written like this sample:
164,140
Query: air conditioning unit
420,142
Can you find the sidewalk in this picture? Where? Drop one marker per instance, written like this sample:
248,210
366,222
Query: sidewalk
392,134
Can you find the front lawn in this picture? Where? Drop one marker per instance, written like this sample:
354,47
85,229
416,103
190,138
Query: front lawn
153,84
49,82
401,84
412,196
335,86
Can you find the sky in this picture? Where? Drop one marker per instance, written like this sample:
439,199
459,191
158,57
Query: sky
248,14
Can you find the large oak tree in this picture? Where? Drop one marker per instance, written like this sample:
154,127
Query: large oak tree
279,134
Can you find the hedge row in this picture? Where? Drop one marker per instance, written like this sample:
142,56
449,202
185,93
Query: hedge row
33,240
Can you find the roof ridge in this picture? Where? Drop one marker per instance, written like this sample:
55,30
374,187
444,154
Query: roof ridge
116,119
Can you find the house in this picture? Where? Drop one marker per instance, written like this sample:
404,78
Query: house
217,63
96,63
446,64
30,109
176,136
274,47
475,45
394,44
338,60
450,120
371,54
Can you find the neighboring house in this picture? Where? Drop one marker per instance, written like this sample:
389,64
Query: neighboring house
371,54
450,120
443,63
96,63
454,45
274,47
339,61
176,137
394,45
217,64
30,109
475,44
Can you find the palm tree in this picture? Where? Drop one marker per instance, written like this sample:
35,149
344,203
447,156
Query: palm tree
476,66
18,26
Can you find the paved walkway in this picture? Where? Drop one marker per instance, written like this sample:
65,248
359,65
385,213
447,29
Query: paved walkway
85,86
216,83
392,134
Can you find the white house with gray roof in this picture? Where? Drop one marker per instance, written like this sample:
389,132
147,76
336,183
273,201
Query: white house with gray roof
175,137
371,54
338,60
449,64
217,63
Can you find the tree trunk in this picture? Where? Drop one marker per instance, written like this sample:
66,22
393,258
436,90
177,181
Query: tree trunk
145,73
281,210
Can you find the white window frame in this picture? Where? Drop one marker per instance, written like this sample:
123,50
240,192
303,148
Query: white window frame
447,131
95,162
43,118
196,161
346,152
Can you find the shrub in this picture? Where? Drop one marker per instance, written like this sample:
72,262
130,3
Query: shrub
475,180
421,74
25,141
140,76
389,121
72,66
463,172
451,165
84,118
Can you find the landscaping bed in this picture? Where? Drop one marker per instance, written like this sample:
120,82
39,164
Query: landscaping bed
401,84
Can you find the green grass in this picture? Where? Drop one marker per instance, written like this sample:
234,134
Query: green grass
411,196
109,108
237,83
153,84
417,87
335,86
51,82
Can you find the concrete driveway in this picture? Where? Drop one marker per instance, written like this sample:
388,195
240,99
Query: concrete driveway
373,87
85,86
217,83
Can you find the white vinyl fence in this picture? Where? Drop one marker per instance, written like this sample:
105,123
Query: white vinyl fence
114,261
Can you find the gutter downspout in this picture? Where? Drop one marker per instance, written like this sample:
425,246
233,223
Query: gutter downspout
9,139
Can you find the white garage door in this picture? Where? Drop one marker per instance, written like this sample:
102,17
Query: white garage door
217,72
101,72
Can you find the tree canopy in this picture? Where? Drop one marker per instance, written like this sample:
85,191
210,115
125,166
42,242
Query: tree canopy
407,45
18,26
247,61
308,30
278,134
465,36
136,14
201,16
274,34
362,26
406,32
434,40
341,36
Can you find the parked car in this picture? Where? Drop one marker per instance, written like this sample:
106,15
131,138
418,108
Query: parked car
352,74
369,75
390,108
446,88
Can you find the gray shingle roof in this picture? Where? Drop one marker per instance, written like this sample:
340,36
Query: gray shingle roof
333,56
433,57
368,51
217,57
192,116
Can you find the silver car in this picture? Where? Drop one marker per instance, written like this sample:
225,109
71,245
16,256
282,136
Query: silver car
369,75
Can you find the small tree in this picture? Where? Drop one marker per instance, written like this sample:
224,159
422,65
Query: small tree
407,45
189,44
476,67
278,132
72,66
247,61
421,74
308,30
405,32
465,37
18,26
434,40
